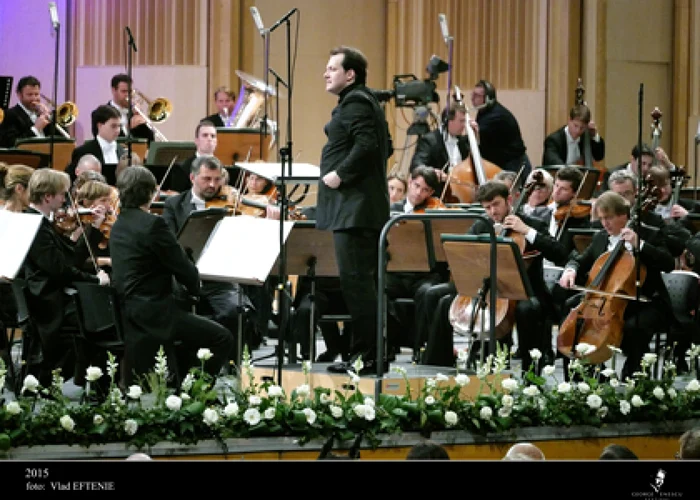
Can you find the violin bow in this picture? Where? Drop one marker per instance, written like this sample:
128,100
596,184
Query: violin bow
560,229
447,182
167,172
74,205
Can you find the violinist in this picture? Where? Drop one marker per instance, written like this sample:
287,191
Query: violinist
397,188
565,147
98,197
219,299
670,207
421,188
49,268
87,163
529,314
566,212
641,319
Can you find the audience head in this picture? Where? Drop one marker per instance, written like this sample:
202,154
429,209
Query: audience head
14,181
427,450
137,186
617,452
397,188
524,451
690,445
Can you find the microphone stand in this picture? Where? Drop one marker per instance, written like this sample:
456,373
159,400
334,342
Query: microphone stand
278,80
54,118
638,206
266,64
129,69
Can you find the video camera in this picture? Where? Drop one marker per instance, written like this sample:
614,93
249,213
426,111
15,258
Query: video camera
409,91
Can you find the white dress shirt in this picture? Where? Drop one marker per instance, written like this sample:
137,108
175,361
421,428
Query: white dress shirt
124,112
573,153
33,116
109,151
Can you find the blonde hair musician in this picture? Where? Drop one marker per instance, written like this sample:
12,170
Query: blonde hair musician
14,180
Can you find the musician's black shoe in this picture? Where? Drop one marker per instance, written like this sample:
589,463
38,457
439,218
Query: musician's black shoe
341,367
371,366
326,357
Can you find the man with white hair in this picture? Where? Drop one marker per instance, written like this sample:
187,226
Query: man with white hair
524,452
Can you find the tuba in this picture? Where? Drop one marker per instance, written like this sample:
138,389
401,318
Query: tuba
157,111
248,110
66,114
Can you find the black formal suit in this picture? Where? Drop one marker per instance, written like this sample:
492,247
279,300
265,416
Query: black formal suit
18,125
180,175
92,146
215,119
642,319
142,131
431,150
556,148
52,265
500,140
219,300
146,260
357,149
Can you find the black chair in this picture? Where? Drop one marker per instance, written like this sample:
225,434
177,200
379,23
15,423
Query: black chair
99,319
31,356
684,291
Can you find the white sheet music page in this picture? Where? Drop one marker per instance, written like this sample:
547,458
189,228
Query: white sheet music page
242,249
17,232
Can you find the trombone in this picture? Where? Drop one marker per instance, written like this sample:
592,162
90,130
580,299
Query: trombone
157,111
66,114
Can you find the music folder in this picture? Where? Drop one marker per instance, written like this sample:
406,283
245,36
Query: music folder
301,173
17,232
197,228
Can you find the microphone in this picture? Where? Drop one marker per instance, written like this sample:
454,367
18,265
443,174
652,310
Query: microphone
284,18
53,12
258,20
443,27
131,39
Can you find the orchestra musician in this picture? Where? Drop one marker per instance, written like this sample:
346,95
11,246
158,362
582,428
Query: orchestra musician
446,146
537,204
420,196
225,100
646,159
86,162
641,319
565,147
397,188
669,208
98,197
530,315
566,214
353,199
29,117
50,267
14,182
500,140
146,260
104,147
121,102
205,141
223,301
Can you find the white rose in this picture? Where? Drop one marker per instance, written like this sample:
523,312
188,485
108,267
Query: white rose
325,399
360,410
625,407
486,413
210,417
231,410
535,354
430,383
93,373
509,384
548,370
608,372
269,413
310,415
369,402
594,401
184,396
564,388
370,414
451,418
649,358
583,348
31,384
583,388
98,419
693,386
275,391
204,354
507,400
67,423
429,400
131,426
442,378
254,400
637,401
13,408
173,403
134,392
252,416
336,411
658,392
462,355
187,383
504,411
614,382
672,393
303,390
461,380
531,390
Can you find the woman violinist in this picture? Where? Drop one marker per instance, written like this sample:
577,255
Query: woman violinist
537,203
97,197
639,320
14,180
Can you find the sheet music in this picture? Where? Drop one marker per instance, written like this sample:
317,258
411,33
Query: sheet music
272,171
17,232
242,249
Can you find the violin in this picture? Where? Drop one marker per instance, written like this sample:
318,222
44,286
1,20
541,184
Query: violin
65,220
575,210
432,203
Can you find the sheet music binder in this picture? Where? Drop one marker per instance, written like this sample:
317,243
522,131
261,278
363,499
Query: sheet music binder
197,228
17,231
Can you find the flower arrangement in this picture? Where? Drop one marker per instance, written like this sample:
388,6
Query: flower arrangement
149,413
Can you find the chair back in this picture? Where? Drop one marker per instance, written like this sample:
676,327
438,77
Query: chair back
683,290
98,311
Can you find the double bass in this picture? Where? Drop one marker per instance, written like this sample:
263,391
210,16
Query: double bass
598,320
586,138
462,316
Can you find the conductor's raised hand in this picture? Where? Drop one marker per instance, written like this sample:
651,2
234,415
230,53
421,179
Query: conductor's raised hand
332,180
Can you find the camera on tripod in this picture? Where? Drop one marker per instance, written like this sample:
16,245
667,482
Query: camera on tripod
410,92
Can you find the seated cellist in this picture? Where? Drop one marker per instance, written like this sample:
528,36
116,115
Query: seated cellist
641,319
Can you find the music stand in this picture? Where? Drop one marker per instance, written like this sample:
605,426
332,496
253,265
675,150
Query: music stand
438,227
195,232
24,157
304,173
138,146
590,181
410,239
162,153
238,144
469,257
62,149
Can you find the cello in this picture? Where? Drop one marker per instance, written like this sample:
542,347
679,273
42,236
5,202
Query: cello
598,320
461,314
465,178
